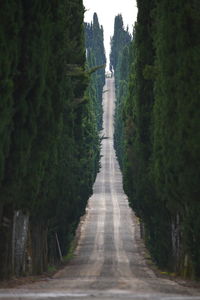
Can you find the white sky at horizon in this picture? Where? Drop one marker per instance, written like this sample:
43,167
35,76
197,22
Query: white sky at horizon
106,11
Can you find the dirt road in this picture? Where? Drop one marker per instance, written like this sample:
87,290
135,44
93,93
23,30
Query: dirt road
108,262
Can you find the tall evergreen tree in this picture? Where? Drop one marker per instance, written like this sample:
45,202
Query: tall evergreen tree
161,117
119,63
119,40
49,147
176,139
94,41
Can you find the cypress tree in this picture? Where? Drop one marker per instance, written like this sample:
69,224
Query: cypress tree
119,63
176,118
50,146
94,43
161,117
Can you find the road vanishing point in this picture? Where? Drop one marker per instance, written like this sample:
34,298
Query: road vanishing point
109,261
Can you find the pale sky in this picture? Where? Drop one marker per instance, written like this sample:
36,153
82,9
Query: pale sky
106,11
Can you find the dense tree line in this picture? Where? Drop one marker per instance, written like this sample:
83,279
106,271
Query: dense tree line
161,163
96,61
119,64
49,149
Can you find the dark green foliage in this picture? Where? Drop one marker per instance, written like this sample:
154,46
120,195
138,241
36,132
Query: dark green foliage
96,57
120,63
161,163
121,80
176,144
49,148
11,23
138,111
120,39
